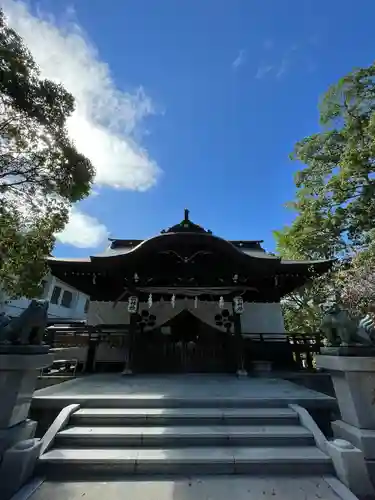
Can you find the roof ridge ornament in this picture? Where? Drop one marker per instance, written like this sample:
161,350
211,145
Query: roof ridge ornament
186,226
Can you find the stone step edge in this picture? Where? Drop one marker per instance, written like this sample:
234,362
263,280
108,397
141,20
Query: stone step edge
93,401
186,431
170,414
289,454
284,411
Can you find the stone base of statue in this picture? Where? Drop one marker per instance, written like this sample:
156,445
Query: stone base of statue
353,379
349,350
19,370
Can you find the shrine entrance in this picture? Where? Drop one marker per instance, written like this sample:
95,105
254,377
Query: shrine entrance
185,344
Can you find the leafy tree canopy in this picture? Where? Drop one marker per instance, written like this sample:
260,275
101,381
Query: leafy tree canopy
335,201
41,172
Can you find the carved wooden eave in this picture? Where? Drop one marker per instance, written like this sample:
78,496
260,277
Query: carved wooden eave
186,255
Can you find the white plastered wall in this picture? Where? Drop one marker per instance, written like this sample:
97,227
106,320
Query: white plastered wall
104,312
256,318
262,318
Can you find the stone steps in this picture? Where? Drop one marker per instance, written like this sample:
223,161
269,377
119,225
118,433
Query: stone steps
79,462
184,436
183,416
140,401
183,440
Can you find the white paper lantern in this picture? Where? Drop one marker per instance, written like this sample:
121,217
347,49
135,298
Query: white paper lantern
149,301
132,304
238,305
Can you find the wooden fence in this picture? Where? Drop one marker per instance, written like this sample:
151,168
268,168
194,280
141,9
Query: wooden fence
284,351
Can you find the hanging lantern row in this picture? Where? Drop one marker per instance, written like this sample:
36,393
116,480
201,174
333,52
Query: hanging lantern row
133,302
75,273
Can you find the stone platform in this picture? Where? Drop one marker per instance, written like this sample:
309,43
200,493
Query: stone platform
153,391
222,488
186,436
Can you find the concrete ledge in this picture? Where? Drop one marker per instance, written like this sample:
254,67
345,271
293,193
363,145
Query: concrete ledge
308,422
20,432
128,401
24,362
28,490
59,423
49,380
364,439
339,488
346,363
350,467
17,466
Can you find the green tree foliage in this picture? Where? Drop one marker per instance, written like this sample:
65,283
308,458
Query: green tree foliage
41,172
302,309
335,198
357,282
335,201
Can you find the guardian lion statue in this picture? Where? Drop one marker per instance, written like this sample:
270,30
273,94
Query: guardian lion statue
28,328
340,329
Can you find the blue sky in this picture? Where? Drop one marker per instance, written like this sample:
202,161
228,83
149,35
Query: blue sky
214,94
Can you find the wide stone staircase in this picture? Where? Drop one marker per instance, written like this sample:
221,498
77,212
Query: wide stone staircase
180,440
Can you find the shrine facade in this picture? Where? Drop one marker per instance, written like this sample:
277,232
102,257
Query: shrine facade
187,300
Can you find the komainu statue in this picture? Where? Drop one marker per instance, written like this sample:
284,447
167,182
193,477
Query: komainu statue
28,328
340,328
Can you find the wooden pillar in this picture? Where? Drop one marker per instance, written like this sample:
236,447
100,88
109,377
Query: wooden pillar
131,339
131,344
91,353
240,359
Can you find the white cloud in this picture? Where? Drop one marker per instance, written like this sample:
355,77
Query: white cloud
282,68
274,70
106,119
263,70
106,122
83,231
240,59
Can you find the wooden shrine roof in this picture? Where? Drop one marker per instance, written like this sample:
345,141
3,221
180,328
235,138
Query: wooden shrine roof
186,255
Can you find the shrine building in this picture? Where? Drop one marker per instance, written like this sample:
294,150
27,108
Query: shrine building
188,301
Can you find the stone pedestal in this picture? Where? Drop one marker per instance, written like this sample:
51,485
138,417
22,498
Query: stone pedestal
19,370
353,379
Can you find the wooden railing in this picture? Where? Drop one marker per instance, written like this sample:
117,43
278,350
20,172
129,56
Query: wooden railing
305,347
285,351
